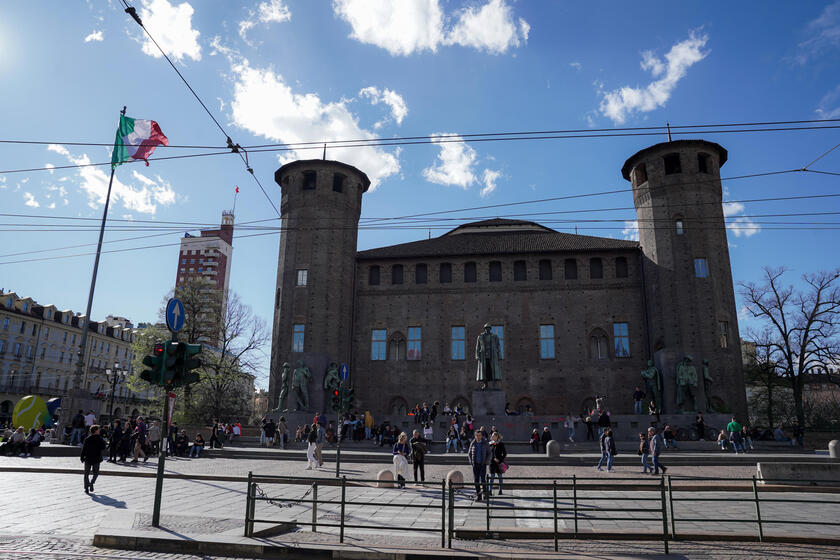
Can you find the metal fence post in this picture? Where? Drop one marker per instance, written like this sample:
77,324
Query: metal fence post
442,513
343,495
556,545
673,515
757,511
574,501
451,513
664,513
487,509
248,496
315,507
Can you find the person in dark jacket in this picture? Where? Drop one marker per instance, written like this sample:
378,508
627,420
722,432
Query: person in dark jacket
479,455
546,437
91,456
497,459
419,448
603,423
114,441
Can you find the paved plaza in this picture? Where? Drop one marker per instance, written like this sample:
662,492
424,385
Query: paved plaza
47,515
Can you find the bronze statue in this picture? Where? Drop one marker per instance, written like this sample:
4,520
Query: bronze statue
653,384
707,386
300,386
488,352
285,379
332,379
686,383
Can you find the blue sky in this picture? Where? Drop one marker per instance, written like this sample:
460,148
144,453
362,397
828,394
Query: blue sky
294,71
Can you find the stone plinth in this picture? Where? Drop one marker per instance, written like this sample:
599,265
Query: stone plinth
488,403
385,479
552,448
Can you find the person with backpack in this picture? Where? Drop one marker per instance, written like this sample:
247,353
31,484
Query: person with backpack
419,448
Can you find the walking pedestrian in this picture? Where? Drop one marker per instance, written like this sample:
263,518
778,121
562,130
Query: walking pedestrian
320,440
644,452
656,445
78,425
479,456
268,432
139,436
91,456
570,425
114,441
734,428
419,448
311,439
214,435
498,467
401,450
154,437
604,453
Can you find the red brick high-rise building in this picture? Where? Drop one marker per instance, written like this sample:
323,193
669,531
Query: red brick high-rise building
207,256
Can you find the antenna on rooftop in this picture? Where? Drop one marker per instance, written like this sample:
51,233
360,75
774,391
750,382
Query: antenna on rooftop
668,126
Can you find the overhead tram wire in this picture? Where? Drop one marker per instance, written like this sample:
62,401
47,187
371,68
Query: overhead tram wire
235,148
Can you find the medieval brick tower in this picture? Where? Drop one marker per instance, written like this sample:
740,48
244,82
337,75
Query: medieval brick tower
313,306
690,301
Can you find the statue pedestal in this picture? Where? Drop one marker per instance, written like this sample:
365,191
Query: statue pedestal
488,402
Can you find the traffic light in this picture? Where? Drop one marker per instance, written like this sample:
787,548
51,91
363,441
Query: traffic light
187,362
335,400
347,398
154,362
170,359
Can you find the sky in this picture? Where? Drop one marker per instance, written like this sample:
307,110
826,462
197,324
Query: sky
291,71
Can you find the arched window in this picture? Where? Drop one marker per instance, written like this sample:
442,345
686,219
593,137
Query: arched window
462,402
672,164
398,407
599,345
679,224
524,404
396,347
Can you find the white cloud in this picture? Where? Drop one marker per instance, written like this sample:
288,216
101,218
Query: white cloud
490,28
29,200
273,11
52,205
95,36
143,198
489,179
619,103
631,230
171,26
389,97
737,224
404,27
454,164
51,167
824,34
265,105
829,107
576,65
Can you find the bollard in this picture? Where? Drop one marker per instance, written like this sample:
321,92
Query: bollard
834,449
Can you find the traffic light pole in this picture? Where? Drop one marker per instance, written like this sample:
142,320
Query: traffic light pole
162,452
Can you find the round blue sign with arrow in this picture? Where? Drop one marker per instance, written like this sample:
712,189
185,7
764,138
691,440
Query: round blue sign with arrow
174,315
344,372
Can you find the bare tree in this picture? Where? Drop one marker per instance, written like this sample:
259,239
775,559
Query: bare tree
769,384
803,327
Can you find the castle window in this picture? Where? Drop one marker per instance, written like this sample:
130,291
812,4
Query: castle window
596,268
621,267
621,337
414,343
546,341
297,338
5,323
396,347
445,273
545,269
302,277
469,272
338,182
373,275
570,267
309,178
421,273
701,268
495,271
672,164
397,274
599,345
640,173
499,331
680,227
723,329
703,162
520,271
377,345
458,343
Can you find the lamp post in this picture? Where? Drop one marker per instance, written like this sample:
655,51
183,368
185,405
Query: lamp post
113,376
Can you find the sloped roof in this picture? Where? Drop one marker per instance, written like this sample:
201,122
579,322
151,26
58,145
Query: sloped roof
497,236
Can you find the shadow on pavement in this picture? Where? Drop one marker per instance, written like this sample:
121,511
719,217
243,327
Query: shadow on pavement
107,501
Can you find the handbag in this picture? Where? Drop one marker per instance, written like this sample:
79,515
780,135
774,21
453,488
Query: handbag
503,467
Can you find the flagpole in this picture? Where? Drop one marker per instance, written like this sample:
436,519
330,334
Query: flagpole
235,195
80,378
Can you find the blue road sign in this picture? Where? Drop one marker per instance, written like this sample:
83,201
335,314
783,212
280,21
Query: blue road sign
174,315
344,372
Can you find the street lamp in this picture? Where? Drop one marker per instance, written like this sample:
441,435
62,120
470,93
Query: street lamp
113,376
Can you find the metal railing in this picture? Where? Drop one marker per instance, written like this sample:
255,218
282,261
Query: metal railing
549,501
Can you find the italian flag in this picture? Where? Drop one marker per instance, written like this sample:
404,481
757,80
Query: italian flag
136,139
